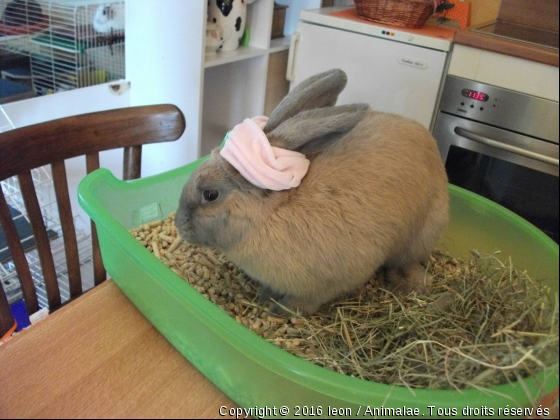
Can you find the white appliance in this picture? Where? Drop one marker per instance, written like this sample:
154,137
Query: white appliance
395,71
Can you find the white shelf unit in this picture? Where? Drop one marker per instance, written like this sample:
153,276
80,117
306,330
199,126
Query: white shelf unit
280,44
214,93
242,53
245,82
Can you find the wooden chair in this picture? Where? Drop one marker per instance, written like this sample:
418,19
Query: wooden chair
52,143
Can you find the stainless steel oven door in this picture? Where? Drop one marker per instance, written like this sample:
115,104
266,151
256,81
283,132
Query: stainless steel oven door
513,170
501,144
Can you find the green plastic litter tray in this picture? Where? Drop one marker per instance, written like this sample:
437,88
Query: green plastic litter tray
255,373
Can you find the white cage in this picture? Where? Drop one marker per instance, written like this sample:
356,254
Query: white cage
46,196
70,43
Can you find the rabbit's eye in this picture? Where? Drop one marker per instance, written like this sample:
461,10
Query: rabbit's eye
210,195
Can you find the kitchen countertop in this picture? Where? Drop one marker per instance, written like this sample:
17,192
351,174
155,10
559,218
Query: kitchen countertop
99,357
507,47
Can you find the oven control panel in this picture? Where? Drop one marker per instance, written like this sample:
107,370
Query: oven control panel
502,108
473,102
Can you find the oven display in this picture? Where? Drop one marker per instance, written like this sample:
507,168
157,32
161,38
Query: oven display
473,94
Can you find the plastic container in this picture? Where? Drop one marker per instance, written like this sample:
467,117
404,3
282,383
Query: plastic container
253,372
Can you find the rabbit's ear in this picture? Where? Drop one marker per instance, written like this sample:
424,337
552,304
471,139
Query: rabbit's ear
311,131
319,91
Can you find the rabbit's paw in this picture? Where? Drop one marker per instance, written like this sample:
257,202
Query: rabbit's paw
266,294
405,280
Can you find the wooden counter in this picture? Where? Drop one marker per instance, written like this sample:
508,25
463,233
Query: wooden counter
538,14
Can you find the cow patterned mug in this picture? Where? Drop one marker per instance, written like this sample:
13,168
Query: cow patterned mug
231,15
214,38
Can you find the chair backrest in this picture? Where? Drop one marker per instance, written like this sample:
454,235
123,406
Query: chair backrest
25,149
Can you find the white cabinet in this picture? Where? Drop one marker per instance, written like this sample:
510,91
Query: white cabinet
400,73
378,70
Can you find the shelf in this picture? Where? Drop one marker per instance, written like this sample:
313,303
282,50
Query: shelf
280,44
71,45
242,53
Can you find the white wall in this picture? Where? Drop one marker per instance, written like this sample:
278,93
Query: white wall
296,6
164,49
292,13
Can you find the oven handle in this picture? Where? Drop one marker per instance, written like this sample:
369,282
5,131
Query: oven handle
506,147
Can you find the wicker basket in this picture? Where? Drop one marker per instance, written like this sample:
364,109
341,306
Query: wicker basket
406,13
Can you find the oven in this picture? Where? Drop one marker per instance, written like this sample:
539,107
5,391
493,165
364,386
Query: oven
502,145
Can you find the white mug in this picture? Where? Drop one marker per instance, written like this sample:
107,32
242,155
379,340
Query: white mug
230,15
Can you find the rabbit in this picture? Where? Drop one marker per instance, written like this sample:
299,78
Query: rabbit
375,196
109,18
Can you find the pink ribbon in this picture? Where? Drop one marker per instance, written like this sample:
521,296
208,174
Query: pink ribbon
248,150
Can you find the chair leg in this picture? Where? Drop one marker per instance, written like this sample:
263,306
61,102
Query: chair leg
6,318
99,273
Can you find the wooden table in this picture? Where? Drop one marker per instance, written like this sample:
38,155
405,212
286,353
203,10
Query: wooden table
99,357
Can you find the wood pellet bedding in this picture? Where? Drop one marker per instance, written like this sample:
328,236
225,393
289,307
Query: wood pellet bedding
483,323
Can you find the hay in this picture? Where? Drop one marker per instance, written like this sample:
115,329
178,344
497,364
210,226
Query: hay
484,323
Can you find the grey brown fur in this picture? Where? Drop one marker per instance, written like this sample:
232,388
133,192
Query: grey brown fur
375,196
